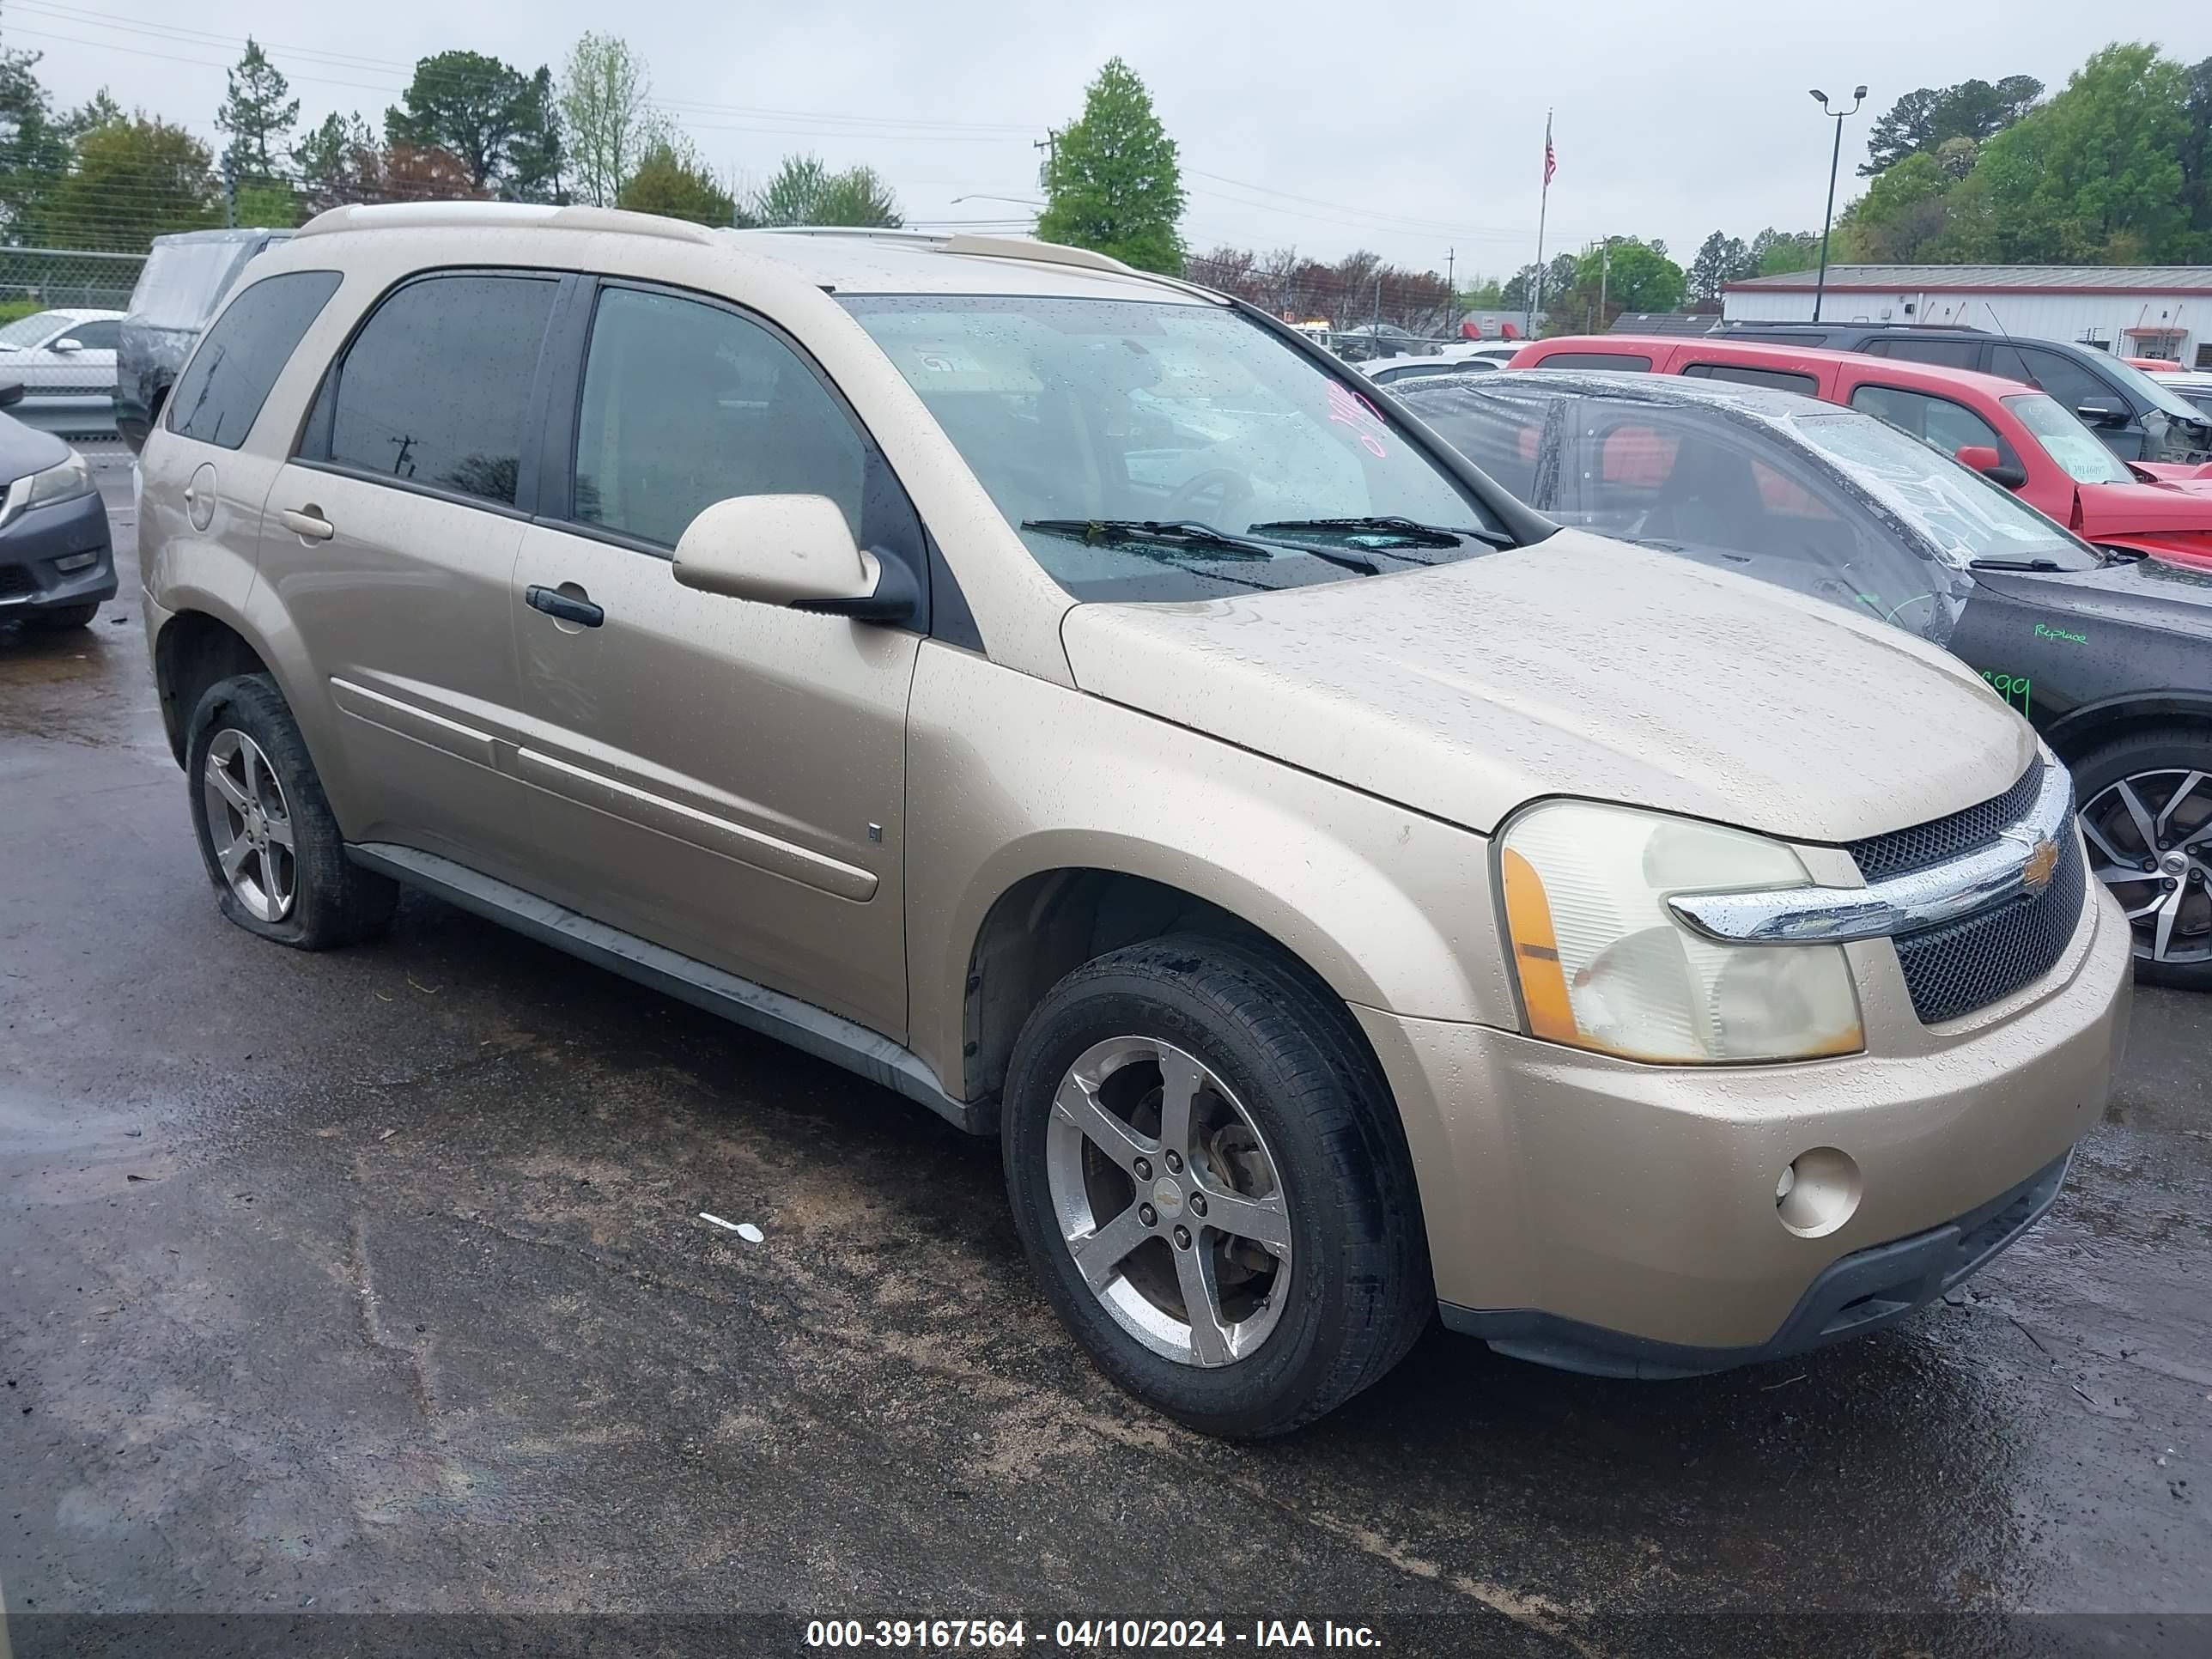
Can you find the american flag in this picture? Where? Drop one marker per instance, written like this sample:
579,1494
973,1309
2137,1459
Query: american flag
1551,161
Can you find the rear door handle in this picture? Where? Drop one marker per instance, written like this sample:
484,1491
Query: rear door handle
307,523
555,603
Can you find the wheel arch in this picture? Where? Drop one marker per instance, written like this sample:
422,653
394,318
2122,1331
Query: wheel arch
194,649
2078,730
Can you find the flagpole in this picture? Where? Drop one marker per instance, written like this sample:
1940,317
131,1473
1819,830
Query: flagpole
1536,288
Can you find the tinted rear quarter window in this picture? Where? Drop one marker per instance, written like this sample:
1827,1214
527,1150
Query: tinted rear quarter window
435,388
228,378
1781,379
1622,360
1944,354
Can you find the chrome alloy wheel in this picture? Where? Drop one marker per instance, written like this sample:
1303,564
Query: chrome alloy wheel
249,825
2150,839
1168,1201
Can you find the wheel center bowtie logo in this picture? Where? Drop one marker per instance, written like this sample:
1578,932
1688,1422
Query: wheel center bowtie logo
1167,1195
2042,864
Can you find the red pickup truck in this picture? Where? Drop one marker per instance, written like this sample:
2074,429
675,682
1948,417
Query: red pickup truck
2016,434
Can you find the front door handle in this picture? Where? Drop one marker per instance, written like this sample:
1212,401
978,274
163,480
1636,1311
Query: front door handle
307,523
555,603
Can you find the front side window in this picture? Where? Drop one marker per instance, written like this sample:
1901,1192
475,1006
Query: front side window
435,388
98,335
2073,386
1937,422
1628,362
227,380
686,403
2072,445
1082,417
1945,354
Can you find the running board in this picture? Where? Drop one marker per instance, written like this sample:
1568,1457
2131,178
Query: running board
815,1031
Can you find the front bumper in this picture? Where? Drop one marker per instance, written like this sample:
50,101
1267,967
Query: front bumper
29,579
1598,1212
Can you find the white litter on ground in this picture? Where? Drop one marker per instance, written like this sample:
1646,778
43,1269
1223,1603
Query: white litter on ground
743,1229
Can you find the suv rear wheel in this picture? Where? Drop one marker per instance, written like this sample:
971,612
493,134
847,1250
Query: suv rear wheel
266,832
1205,1173
2147,816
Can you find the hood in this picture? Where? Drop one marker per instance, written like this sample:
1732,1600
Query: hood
2119,509
2147,593
25,449
1577,667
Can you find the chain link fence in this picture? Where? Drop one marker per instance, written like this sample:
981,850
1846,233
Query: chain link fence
61,310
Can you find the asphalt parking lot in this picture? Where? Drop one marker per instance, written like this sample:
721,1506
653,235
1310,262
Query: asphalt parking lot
373,1282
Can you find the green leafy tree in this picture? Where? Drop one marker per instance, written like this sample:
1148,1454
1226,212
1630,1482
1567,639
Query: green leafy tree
1923,118
257,112
1902,218
1622,274
1558,278
1486,294
1779,252
498,121
1722,259
672,181
99,110
804,191
339,161
1113,180
2096,175
131,181
607,110
34,147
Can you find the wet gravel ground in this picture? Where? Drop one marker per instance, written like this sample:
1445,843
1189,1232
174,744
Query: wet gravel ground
373,1284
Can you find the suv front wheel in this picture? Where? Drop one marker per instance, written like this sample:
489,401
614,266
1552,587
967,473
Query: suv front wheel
266,831
1204,1170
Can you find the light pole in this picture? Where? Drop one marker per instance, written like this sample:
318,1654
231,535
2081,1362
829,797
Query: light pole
1835,158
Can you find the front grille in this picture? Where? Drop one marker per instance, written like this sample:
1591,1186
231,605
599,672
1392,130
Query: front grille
1901,850
15,581
1968,964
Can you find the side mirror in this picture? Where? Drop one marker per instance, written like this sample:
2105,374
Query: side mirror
1984,460
67,343
2102,414
795,551
11,393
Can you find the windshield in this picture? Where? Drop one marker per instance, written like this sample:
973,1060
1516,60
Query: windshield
2157,396
29,330
1961,511
1076,412
2072,445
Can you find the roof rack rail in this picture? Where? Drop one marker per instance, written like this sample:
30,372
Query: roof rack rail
993,247
417,215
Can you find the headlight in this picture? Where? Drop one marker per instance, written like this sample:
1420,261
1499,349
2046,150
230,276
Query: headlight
65,481
1603,964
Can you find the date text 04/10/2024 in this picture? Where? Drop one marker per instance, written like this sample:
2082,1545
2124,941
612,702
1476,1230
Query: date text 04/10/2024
1088,1635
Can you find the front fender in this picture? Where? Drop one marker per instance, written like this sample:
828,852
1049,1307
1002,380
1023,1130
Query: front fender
1012,777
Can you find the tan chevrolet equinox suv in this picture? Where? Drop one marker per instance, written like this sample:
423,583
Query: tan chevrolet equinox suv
1063,695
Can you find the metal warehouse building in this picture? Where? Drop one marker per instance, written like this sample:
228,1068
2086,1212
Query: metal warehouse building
2132,311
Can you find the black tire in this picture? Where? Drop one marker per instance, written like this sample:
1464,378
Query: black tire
2164,749
334,901
1360,1292
63,617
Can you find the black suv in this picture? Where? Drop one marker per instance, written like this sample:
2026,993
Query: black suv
2138,419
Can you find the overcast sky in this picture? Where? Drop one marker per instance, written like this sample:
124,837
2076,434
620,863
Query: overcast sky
1410,128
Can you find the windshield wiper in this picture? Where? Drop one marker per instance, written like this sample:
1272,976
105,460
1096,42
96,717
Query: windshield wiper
1186,534
1404,530
2013,564
1180,533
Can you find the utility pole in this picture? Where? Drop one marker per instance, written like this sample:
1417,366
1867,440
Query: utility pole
1604,272
1451,288
1050,145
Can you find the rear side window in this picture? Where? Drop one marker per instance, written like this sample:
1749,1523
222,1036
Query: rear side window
435,388
228,378
1597,360
1937,422
1944,354
1781,379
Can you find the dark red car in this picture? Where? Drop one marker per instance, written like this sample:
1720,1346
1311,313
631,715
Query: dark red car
2018,436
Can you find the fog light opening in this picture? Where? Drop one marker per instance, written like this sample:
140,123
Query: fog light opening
1818,1192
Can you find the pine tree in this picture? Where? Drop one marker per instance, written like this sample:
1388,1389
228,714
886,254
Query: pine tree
255,111
1114,181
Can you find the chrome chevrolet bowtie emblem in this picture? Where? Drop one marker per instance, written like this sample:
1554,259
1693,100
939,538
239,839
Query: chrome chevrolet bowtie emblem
2042,864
